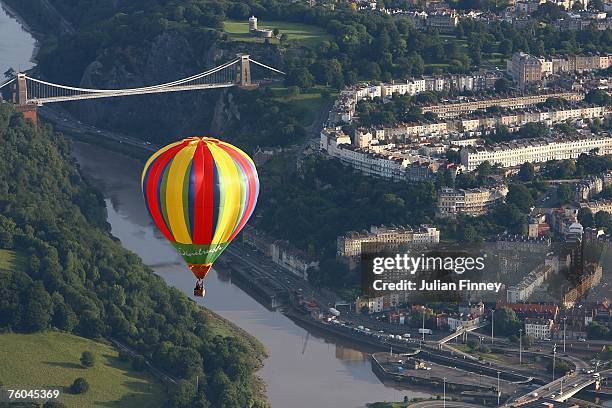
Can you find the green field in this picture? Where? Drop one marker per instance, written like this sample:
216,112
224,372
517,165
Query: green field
50,360
11,260
306,105
303,34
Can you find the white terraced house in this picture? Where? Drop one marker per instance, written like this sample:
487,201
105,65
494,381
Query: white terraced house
515,153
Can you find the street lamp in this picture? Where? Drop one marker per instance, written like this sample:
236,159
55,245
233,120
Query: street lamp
554,360
423,324
444,392
564,319
520,346
498,391
492,324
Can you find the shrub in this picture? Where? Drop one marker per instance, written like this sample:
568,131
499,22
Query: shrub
87,359
79,386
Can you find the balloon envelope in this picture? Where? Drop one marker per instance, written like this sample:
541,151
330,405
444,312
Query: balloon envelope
200,192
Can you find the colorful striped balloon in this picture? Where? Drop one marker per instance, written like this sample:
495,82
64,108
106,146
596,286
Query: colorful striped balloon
200,192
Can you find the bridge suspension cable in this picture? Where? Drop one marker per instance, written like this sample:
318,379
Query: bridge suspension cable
39,92
267,67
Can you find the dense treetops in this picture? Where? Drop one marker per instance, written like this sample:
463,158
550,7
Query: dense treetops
78,279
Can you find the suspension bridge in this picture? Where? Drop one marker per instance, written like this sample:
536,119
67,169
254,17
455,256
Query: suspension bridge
35,92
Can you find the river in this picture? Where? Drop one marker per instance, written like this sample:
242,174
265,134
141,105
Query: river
303,369
17,46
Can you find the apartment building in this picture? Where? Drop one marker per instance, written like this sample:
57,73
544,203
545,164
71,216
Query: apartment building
587,188
377,160
598,205
349,245
456,108
589,280
515,119
525,69
539,150
538,328
473,202
533,280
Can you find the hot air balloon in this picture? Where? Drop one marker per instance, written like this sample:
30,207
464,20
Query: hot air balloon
200,192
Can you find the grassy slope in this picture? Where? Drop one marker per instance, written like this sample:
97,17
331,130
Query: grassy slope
51,361
307,35
307,105
11,260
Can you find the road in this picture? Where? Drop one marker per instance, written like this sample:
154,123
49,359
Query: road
65,122
571,384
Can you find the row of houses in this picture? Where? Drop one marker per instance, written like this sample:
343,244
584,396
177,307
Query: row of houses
470,124
378,161
450,109
280,252
350,244
344,106
527,69
537,150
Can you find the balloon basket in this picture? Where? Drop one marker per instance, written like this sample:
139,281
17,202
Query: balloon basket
199,292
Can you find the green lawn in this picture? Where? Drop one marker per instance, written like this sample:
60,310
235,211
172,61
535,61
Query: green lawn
11,260
303,34
50,360
307,105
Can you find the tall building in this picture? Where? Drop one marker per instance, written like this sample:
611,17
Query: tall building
525,69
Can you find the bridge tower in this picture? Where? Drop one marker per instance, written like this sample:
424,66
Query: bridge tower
20,98
245,70
20,90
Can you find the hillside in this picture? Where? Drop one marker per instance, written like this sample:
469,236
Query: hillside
50,360
78,279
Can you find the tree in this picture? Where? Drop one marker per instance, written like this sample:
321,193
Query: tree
533,130
275,32
502,85
505,48
561,367
139,363
526,172
602,219
38,307
597,331
79,386
300,77
519,195
585,217
564,193
527,341
506,322
598,97
87,359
